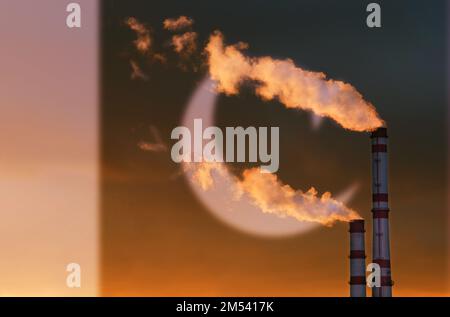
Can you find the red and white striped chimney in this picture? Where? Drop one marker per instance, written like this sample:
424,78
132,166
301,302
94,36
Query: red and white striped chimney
380,211
357,259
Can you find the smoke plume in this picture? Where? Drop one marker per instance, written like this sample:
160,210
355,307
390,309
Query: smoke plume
277,79
177,24
295,88
291,85
270,195
143,41
201,173
185,43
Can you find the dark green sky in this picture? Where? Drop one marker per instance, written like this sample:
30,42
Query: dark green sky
156,231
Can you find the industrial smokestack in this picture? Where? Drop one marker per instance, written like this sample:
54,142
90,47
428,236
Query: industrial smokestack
380,211
357,259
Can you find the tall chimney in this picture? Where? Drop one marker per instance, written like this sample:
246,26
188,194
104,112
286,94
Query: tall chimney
357,259
380,211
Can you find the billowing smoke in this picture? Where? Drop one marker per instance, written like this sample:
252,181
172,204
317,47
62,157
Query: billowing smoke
295,88
270,195
291,85
185,43
177,24
143,45
201,173
143,41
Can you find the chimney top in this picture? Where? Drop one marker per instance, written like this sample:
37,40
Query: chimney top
357,225
379,133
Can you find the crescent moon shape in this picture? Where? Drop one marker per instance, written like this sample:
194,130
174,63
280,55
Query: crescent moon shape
239,214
